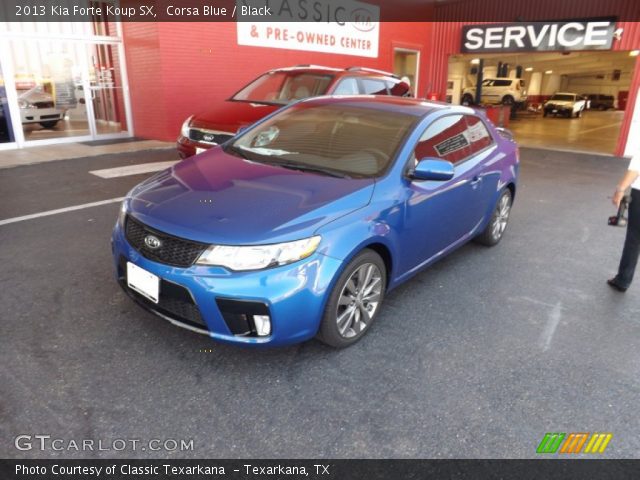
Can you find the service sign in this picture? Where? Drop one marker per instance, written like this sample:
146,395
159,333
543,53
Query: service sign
539,36
330,26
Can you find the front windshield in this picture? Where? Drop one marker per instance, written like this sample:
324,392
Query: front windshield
284,87
564,98
352,140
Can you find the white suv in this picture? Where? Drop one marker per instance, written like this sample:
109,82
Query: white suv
506,91
566,104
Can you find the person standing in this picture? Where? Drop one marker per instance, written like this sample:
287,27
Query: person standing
629,260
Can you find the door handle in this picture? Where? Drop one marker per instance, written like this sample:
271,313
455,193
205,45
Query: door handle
475,181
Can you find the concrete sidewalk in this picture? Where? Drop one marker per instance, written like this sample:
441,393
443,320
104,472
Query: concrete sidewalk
65,151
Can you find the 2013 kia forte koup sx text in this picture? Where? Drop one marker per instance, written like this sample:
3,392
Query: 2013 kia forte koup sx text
300,225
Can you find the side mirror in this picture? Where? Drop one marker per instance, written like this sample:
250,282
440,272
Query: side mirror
433,169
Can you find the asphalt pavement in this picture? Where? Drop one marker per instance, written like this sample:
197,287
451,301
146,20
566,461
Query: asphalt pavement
478,356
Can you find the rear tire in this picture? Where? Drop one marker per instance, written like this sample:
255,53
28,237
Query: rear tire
467,99
508,100
497,225
355,301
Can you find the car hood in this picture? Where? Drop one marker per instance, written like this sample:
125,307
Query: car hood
35,95
230,115
219,198
560,103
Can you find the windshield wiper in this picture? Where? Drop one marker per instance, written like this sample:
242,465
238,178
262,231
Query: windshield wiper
259,102
268,160
237,151
311,168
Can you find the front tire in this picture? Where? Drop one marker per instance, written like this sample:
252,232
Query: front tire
497,225
49,124
467,99
355,300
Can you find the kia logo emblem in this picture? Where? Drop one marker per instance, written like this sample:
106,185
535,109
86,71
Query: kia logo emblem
152,242
362,20
208,138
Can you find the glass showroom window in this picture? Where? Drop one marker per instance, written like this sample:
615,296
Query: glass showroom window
66,81
6,130
48,81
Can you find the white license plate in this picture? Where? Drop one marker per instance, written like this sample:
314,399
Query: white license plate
143,282
199,150
554,111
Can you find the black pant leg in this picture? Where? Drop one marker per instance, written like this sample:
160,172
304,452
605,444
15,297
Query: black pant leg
631,249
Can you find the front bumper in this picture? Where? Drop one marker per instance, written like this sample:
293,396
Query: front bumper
294,295
557,109
36,115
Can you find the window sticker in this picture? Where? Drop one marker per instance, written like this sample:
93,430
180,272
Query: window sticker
452,144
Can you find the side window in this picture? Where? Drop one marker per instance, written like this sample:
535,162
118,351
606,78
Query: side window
347,86
477,134
502,83
446,138
304,85
372,86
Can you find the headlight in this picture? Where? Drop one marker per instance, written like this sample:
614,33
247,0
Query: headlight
185,127
25,104
256,257
123,213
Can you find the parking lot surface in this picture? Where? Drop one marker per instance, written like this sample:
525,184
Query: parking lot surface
478,356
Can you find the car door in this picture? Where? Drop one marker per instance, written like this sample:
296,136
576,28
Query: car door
488,94
438,215
498,89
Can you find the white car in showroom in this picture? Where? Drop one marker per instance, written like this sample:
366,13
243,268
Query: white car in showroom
505,91
37,106
566,104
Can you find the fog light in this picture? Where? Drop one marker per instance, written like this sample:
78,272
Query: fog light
263,325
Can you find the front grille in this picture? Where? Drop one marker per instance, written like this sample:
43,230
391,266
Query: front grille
173,251
48,117
47,104
175,301
208,137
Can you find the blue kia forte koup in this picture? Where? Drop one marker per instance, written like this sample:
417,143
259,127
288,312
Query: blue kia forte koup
300,225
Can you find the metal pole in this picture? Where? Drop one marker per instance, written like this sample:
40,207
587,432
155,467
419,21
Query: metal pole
479,76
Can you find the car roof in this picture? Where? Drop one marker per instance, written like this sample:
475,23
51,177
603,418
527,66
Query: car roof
355,70
418,107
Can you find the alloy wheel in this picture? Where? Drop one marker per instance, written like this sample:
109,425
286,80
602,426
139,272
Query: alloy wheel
501,216
359,300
